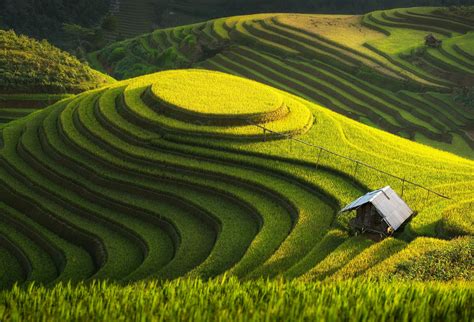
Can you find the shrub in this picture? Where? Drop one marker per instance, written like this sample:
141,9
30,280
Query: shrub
465,96
116,54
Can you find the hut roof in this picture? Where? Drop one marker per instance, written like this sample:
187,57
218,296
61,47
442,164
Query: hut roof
388,204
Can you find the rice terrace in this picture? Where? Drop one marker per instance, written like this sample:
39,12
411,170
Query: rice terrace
236,160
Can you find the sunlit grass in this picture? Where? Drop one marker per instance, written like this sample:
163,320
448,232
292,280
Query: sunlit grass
227,299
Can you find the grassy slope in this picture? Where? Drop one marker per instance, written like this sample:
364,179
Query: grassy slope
31,68
319,57
96,186
107,177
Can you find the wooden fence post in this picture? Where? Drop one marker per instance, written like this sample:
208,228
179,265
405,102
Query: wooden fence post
355,170
403,185
427,196
319,157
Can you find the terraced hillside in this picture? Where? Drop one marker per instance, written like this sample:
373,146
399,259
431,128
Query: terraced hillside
374,68
15,106
134,17
150,178
36,74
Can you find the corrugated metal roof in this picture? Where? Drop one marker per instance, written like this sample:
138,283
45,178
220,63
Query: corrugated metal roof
362,200
388,204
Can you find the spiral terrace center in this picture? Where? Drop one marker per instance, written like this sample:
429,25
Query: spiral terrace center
215,94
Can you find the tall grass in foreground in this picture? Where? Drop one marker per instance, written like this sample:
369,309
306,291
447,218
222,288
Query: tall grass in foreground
228,299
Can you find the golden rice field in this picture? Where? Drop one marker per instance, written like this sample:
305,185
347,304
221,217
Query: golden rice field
213,191
373,68
232,96
101,181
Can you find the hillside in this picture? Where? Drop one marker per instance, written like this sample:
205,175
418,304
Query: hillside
30,66
44,19
374,68
147,178
36,74
207,184
135,18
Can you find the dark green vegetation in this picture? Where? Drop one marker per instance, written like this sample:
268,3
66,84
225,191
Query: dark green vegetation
15,106
227,299
44,19
179,12
135,17
375,68
36,74
207,8
30,66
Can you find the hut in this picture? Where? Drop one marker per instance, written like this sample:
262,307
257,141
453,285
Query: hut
431,41
381,211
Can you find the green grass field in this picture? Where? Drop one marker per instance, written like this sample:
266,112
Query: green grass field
213,192
227,299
